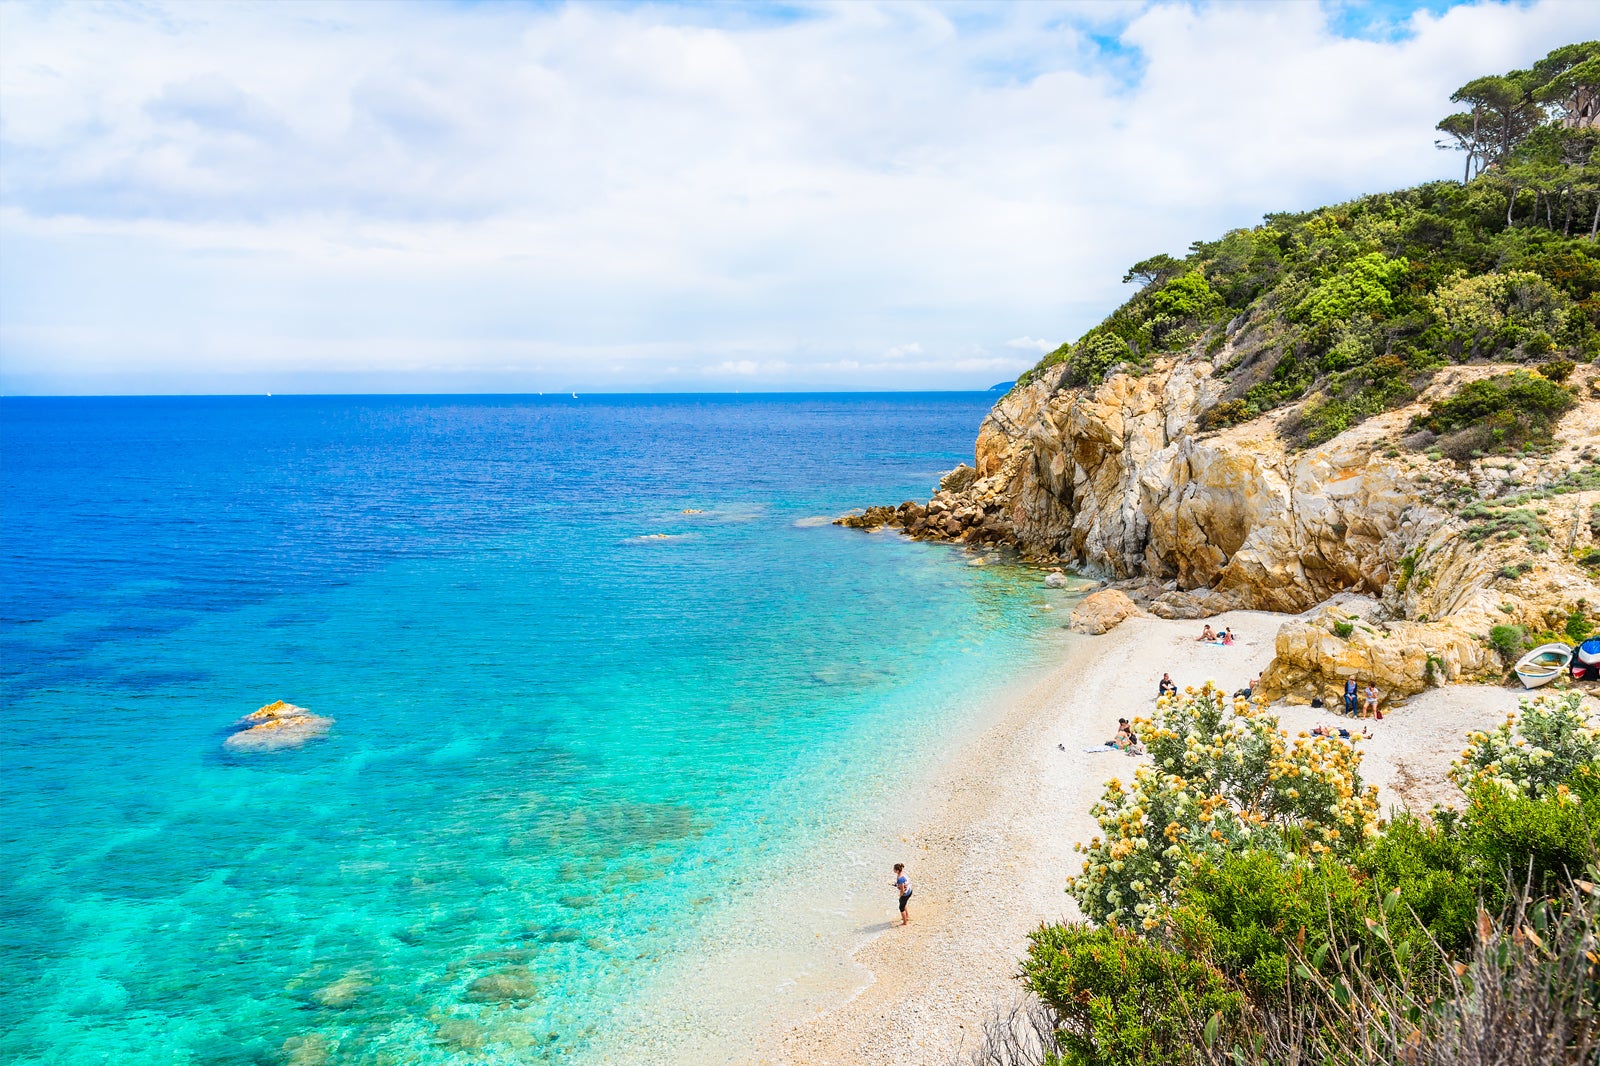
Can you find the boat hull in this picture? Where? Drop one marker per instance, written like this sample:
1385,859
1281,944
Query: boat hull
1543,665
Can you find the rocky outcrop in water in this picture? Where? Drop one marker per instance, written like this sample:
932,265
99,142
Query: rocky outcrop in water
1125,482
276,726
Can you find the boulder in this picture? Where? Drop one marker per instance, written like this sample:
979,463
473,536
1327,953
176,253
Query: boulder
1314,655
1198,603
1057,580
1102,611
958,480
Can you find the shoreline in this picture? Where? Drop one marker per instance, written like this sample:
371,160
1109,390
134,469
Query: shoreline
991,846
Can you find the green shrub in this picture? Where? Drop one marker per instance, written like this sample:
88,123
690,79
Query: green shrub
1123,1000
1510,642
1245,913
1408,570
1481,315
1365,285
1186,297
1430,866
1542,842
1093,357
1578,627
1227,413
1499,414
1490,521
1557,370
1343,630
1533,752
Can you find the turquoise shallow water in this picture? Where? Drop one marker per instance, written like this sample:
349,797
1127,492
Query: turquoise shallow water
562,738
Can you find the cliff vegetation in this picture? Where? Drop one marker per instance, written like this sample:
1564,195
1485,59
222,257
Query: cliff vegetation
1354,306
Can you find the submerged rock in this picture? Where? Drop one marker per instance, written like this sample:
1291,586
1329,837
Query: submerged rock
342,993
276,726
514,984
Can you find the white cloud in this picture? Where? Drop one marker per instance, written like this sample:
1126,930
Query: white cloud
588,195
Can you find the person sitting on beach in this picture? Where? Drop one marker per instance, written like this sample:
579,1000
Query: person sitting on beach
1227,638
1370,706
902,885
1206,634
1126,740
1343,732
1168,687
1351,696
1249,691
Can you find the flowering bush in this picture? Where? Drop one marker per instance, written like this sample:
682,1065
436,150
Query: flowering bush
1225,779
1535,752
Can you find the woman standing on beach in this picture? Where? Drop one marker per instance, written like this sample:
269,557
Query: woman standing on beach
902,885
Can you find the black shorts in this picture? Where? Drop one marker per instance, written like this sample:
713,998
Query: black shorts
903,900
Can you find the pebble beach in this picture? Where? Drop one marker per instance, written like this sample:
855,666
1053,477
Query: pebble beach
993,844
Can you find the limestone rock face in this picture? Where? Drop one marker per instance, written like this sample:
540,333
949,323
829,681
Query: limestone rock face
1316,653
1102,611
276,726
1124,481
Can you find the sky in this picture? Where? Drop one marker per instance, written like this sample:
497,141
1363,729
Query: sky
503,197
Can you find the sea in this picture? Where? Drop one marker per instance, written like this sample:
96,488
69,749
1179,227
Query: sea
602,674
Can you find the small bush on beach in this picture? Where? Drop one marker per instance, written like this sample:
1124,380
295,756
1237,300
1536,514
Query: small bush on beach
1532,753
1224,778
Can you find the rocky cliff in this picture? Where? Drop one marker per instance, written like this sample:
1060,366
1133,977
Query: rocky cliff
1398,561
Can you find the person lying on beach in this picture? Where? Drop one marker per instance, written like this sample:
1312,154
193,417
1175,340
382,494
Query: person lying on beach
902,885
1343,732
1206,634
1168,687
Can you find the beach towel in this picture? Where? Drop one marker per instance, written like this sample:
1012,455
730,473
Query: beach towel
1099,748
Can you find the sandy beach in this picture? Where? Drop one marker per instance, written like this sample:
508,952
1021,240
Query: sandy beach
990,849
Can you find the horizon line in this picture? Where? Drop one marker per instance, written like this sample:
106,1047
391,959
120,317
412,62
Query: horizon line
553,394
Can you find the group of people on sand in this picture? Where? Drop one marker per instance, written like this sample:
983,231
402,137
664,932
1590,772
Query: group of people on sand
1211,636
1358,704
1342,732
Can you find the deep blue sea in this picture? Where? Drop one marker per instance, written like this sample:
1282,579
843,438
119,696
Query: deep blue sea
572,719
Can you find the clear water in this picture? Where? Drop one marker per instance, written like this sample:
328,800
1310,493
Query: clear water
560,737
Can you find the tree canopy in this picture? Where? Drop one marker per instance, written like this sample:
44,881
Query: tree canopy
1350,308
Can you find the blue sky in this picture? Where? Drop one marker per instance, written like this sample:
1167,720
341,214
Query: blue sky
522,197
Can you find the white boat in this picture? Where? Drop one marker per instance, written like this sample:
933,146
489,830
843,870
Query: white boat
1543,664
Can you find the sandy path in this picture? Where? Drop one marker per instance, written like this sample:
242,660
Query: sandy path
993,845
